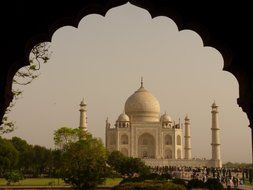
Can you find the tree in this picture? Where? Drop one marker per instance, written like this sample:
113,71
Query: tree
41,155
116,160
13,177
65,136
23,148
195,183
134,166
36,161
20,144
8,156
250,175
213,184
56,163
236,165
39,54
84,163
33,160
127,166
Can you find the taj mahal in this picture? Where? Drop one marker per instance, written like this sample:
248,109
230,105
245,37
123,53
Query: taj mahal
141,131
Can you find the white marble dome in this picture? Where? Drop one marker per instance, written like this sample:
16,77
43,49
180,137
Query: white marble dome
123,117
142,106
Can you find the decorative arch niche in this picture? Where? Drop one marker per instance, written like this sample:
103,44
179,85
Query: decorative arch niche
124,139
179,140
168,153
179,153
168,139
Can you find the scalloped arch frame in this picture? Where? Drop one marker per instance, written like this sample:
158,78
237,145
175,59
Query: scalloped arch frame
213,22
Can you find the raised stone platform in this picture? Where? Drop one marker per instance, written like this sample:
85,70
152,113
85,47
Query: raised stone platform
178,162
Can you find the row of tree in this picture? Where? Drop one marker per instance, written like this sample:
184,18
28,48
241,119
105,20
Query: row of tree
79,159
30,160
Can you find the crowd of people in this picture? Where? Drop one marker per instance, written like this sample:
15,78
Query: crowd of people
229,177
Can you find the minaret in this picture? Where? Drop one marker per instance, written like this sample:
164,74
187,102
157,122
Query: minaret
216,159
83,115
107,127
187,146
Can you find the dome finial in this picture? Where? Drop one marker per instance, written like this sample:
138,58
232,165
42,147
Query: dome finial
214,104
83,102
141,81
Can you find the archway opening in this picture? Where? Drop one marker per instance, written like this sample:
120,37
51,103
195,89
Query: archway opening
124,139
179,154
168,153
65,108
146,146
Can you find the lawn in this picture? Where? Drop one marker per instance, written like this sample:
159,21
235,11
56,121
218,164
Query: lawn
246,182
112,181
36,182
52,181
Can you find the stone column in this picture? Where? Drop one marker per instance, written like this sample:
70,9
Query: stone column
107,128
216,158
187,148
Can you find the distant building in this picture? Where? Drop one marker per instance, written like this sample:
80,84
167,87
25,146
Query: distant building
140,131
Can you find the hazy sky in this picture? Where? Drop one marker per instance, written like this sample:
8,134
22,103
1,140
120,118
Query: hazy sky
103,61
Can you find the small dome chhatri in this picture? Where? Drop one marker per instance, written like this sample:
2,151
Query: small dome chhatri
166,118
142,105
123,117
